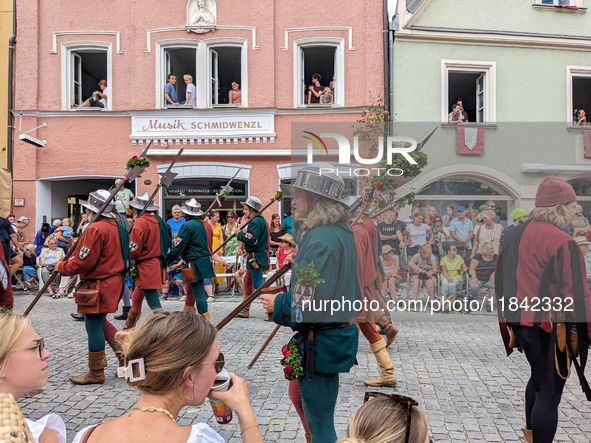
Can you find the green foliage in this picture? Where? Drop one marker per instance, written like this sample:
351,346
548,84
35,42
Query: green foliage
307,276
137,161
292,362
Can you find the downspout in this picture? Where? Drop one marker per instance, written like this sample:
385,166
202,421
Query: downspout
386,22
393,28
10,64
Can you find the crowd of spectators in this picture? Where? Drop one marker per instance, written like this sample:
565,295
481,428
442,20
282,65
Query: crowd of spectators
315,93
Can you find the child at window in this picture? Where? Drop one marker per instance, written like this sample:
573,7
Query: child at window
327,96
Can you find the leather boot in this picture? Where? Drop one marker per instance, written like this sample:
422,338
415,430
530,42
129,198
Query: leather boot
97,362
132,318
390,331
118,350
248,289
124,314
190,309
387,376
206,316
270,317
527,435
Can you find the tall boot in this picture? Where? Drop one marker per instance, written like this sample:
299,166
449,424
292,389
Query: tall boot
118,350
97,362
190,309
389,330
527,435
206,316
387,376
132,318
124,314
248,289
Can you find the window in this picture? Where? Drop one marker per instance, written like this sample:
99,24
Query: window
578,91
213,64
559,2
85,64
474,83
321,56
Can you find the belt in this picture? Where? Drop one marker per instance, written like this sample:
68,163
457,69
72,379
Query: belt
310,345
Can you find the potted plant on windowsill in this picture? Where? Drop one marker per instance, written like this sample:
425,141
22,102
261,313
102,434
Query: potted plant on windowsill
135,167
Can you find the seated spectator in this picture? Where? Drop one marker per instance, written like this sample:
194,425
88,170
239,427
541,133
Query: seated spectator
452,265
64,234
191,93
482,271
235,94
284,251
460,102
424,266
390,264
580,222
387,418
174,278
584,245
40,238
315,89
180,356
455,116
23,368
327,96
98,98
170,92
29,266
239,275
417,234
579,118
519,216
49,257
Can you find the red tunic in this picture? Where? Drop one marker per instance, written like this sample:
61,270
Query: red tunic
6,298
144,246
366,269
98,257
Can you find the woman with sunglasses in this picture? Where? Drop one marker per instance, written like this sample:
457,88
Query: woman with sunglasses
23,368
173,359
387,418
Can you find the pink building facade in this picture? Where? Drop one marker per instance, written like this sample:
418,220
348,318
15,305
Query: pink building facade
270,48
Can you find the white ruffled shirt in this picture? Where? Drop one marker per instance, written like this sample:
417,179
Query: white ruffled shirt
200,433
51,421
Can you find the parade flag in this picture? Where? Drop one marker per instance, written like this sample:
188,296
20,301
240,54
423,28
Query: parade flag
470,140
587,136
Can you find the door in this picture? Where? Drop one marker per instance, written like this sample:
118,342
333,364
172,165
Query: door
480,99
215,79
77,78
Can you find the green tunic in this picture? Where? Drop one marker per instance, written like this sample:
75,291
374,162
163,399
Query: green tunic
191,241
256,240
332,249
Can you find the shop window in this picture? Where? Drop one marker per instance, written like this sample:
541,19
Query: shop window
180,62
474,84
322,57
85,65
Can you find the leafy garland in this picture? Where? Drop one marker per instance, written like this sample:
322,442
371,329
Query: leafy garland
137,161
308,275
292,363
279,196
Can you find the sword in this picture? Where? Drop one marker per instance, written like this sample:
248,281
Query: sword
227,188
131,175
166,179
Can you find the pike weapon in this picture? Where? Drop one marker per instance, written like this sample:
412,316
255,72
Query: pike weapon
256,357
166,179
226,188
131,175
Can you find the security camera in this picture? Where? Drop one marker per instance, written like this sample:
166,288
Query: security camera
32,140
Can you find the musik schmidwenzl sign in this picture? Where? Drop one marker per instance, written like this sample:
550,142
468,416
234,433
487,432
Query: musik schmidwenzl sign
245,127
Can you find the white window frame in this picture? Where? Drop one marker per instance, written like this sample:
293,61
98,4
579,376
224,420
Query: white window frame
339,45
573,71
577,3
490,68
211,44
161,74
68,49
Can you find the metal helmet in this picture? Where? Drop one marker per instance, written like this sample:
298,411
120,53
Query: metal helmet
192,207
98,199
319,179
254,203
141,201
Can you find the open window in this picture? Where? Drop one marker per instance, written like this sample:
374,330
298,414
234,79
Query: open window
581,94
322,56
226,68
84,65
179,62
472,83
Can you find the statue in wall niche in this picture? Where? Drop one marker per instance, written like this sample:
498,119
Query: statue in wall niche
201,19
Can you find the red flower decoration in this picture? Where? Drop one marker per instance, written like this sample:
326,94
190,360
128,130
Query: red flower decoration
285,351
287,370
378,184
282,360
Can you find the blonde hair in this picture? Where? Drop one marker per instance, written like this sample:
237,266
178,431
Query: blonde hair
489,214
326,212
103,82
550,214
12,328
168,342
383,420
484,247
188,77
424,248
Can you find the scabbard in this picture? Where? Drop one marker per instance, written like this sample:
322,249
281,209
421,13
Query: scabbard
310,354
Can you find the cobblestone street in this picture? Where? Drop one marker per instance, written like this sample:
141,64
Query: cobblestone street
453,365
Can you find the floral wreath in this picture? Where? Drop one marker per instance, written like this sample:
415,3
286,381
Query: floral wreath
292,363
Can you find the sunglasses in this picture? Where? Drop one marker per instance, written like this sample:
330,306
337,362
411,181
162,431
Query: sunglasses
229,216
40,345
437,220
400,399
218,365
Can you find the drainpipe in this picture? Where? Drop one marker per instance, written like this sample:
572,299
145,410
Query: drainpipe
391,76
10,64
386,56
